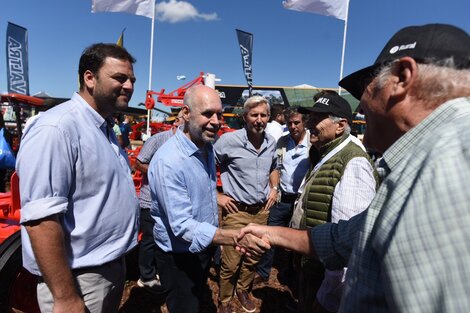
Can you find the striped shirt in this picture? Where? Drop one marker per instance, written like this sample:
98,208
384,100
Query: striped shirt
145,156
411,246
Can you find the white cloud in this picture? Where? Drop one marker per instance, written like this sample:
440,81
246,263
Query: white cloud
175,11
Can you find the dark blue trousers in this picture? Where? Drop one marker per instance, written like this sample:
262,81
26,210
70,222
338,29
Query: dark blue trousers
183,276
147,248
279,215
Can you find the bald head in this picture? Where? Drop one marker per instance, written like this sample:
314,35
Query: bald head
202,111
196,95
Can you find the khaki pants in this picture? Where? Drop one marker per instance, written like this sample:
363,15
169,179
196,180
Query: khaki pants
101,288
232,262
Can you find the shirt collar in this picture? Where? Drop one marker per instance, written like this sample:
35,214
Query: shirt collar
306,139
187,145
94,116
266,139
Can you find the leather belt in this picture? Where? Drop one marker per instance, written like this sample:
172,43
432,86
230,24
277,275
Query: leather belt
287,197
250,208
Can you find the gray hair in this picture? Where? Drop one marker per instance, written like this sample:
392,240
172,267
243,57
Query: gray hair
254,101
336,119
436,82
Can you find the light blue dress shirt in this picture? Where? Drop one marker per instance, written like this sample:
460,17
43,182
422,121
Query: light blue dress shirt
70,163
184,198
295,163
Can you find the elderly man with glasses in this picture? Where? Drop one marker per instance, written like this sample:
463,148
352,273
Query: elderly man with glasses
340,184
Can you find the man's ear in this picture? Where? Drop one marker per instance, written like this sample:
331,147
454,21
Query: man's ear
341,127
89,79
185,112
404,72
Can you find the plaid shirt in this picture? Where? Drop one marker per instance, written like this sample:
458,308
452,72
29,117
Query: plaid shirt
411,248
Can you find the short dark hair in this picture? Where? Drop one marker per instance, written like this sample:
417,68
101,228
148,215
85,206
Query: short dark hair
93,57
294,110
275,110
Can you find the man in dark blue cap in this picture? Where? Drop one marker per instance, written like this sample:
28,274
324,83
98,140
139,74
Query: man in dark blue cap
411,248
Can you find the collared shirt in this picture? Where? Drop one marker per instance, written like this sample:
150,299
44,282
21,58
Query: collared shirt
411,246
182,181
243,170
70,163
295,163
145,155
355,190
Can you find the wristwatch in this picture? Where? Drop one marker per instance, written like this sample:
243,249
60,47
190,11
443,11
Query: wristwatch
276,188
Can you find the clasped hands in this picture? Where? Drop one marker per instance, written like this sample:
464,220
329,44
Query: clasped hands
253,240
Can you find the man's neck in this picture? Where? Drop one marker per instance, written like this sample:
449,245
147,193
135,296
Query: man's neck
91,102
199,143
301,138
255,139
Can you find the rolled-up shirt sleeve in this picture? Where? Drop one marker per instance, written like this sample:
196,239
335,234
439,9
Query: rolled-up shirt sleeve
333,242
45,168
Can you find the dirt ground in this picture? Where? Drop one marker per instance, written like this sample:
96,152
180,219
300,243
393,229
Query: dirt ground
274,296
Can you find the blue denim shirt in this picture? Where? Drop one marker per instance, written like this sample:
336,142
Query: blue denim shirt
184,198
70,163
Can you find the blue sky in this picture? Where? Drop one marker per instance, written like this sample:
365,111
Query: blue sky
290,48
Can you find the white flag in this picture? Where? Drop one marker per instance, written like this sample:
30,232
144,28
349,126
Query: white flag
334,8
138,7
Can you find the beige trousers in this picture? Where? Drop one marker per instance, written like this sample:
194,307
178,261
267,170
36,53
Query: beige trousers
232,262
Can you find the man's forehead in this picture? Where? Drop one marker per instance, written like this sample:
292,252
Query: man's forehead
259,108
295,117
214,105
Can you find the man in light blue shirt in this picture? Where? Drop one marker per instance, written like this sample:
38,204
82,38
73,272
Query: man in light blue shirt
79,210
182,180
292,165
147,247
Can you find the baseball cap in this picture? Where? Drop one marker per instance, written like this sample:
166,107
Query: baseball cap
426,43
330,103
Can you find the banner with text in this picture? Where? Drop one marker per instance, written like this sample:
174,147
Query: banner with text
245,41
17,59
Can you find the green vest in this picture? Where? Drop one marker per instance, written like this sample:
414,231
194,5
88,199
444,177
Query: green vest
320,187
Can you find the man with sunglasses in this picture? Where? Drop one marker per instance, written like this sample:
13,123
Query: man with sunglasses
411,251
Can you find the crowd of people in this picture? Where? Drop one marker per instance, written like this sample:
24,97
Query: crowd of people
364,236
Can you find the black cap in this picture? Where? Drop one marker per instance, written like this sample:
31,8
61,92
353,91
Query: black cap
427,43
330,103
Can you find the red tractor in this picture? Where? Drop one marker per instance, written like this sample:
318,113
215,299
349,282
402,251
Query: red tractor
17,286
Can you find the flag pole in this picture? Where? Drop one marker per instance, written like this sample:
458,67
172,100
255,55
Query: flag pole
149,112
344,44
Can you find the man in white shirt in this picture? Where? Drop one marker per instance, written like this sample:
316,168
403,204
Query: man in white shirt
276,127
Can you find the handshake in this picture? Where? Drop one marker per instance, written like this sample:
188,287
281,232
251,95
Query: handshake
253,240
